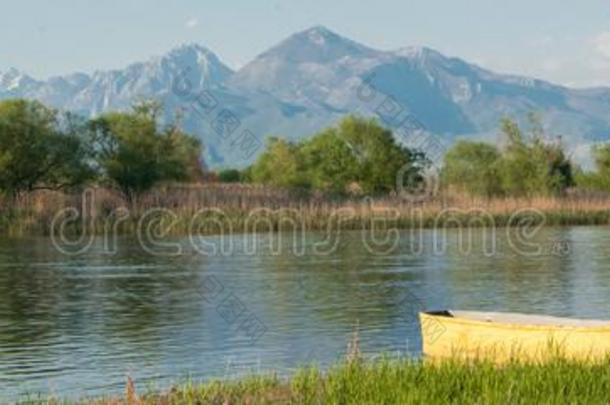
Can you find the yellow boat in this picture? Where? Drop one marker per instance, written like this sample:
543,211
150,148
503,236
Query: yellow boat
501,337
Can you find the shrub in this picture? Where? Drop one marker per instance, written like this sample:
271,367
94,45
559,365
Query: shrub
473,167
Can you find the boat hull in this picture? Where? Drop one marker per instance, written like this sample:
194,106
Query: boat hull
446,336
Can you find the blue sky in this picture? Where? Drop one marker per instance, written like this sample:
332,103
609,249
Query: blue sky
565,42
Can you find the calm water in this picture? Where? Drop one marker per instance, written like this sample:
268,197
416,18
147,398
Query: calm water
77,325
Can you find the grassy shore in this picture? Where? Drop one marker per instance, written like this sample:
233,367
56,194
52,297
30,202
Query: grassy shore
249,208
399,382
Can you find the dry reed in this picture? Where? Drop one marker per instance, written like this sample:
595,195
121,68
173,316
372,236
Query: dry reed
238,206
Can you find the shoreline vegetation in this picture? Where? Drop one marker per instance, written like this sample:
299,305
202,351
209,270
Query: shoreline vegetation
392,381
126,172
218,208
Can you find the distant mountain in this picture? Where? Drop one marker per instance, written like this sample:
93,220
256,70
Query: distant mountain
313,78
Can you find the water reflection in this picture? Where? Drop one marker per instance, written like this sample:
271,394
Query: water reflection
78,325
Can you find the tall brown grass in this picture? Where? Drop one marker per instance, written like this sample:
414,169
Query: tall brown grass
240,204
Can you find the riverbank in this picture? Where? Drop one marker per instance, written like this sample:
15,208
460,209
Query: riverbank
234,208
397,382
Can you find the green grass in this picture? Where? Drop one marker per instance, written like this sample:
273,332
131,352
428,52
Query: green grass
402,382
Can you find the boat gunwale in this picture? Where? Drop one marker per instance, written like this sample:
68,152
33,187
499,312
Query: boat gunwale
512,326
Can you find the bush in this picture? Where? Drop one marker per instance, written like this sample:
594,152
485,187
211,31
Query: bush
530,165
473,167
229,176
600,179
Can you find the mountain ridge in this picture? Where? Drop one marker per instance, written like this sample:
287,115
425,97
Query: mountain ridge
310,79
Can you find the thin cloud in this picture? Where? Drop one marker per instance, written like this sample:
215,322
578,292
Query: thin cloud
192,23
602,44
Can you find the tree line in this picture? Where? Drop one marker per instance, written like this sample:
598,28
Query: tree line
359,152
528,163
356,156
41,148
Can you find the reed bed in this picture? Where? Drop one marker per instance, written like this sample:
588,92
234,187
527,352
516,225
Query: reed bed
397,381
216,208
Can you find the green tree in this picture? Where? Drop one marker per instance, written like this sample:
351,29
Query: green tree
601,156
600,178
532,166
357,150
380,159
473,167
40,149
330,162
133,154
279,165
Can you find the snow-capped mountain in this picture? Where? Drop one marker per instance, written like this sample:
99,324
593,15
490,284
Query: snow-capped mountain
310,80
308,67
118,89
14,81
